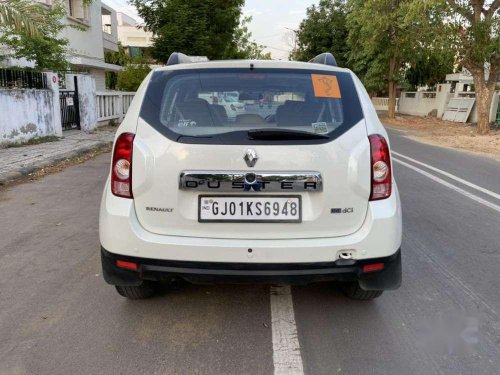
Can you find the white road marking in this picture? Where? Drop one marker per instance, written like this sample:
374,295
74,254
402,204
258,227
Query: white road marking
451,186
286,350
449,175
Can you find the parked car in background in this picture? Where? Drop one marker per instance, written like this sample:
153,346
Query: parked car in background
228,100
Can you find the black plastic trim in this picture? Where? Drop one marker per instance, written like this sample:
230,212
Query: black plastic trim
293,273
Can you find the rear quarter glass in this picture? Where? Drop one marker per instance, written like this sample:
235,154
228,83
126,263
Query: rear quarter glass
190,106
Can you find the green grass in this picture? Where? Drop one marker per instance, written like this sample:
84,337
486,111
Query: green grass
35,141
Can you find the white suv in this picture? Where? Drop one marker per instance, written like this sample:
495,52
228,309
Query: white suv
298,190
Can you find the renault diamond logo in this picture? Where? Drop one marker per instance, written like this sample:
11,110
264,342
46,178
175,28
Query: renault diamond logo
251,157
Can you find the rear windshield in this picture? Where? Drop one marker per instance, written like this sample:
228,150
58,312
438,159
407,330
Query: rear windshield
223,105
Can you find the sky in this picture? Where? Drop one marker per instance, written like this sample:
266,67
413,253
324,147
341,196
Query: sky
271,21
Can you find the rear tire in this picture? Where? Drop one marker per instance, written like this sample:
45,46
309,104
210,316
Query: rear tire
145,290
354,291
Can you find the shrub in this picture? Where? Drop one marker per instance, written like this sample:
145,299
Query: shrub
131,76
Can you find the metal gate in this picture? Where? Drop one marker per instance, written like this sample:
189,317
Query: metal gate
497,120
70,110
458,109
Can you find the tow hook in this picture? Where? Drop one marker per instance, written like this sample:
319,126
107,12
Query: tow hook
346,254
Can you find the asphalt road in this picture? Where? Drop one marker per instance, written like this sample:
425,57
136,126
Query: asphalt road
57,316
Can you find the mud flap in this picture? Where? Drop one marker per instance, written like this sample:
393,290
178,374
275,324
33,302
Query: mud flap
118,276
388,279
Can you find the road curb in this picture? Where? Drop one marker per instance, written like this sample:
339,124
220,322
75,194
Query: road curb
24,171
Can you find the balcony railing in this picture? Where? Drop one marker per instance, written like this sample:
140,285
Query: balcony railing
106,28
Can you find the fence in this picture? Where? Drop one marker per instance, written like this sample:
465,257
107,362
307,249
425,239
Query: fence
113,104
32,104
418,103
22,79
27,112
458,106
382,104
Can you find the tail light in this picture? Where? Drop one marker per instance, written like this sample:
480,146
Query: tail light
381,168
121,168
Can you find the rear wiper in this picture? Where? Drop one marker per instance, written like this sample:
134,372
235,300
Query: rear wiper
283,134
192,136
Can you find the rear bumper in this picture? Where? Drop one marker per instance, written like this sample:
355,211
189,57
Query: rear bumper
293,273
121,233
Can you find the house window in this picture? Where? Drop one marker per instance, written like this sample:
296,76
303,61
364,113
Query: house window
136,39
136,51
106,20
78,10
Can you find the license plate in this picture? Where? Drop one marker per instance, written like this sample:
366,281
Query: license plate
250,209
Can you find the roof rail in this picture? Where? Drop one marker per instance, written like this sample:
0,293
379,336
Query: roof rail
325,59
180,58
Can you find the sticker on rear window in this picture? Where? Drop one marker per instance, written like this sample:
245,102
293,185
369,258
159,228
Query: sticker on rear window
325,86
184,123
320,127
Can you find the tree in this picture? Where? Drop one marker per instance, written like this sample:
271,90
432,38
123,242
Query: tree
242,45
119,57
429,68
385,36
473,29
323,30
21,17
132,76
196,27
378,44
47,50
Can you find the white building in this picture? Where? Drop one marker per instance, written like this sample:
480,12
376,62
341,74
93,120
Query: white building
463,82
96,33
132,36
460,82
